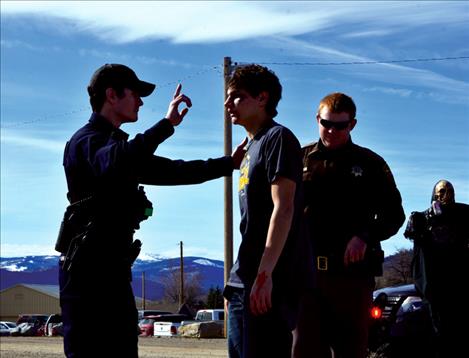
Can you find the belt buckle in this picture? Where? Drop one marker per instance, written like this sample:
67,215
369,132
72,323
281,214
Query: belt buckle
322,263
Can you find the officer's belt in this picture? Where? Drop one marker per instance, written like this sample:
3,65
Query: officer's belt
329,263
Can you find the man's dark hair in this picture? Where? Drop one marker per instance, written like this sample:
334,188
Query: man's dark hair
255,79
98,96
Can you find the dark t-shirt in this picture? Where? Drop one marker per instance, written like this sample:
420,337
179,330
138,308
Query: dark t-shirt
273,152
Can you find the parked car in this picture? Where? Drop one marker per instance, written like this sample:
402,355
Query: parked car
30,325
32,318
145,313
400,323
53,325
146,326
6,327
167,325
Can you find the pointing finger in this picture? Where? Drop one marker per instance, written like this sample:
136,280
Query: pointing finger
178,90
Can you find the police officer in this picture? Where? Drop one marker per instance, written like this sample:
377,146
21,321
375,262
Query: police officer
104,170
351,204
440,266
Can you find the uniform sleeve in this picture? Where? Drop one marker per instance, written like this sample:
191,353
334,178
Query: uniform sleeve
118,156
283,156
389,213
415,226
163,171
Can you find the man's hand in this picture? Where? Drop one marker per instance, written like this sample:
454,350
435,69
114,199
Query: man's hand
173,114
238,153
260,299
355,251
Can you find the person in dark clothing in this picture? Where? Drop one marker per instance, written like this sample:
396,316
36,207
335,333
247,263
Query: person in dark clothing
104,171
440,266
351,205
262,289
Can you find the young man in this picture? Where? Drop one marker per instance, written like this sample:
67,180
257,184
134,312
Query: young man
262,290
351,204
440,266
103,171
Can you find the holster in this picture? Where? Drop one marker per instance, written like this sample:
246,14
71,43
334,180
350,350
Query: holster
76,220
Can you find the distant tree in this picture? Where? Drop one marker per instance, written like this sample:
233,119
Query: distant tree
192,287
397,269
215,298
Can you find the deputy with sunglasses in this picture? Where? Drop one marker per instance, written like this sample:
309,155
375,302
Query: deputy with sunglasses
351,205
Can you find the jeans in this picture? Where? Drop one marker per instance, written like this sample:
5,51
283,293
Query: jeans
267,335
235,324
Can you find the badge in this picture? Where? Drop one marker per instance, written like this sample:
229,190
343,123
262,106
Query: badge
357,171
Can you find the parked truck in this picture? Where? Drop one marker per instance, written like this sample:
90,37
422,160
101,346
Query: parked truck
208,323
210,315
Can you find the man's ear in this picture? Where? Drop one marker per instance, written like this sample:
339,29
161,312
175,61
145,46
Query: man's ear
263,97
111,95
353,123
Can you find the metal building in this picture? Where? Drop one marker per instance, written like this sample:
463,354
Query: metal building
28,299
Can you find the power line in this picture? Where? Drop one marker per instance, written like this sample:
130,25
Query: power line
68,113
218,69
363,62
46,117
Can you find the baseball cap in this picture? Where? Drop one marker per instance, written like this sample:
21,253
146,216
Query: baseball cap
117,75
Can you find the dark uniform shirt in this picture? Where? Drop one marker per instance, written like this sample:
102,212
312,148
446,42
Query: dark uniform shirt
101,162
349,191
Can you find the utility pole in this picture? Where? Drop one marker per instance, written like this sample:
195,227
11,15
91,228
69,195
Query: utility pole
228,241
143,290
181,290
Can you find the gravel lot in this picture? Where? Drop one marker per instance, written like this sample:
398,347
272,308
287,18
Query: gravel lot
170,347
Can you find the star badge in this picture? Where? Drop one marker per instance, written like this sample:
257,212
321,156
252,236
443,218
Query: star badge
357,171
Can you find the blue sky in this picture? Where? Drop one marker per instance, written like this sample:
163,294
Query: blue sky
414,114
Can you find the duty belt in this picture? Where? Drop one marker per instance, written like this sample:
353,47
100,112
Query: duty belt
329,263
322,263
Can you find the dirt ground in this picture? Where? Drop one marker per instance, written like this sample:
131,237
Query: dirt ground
162,347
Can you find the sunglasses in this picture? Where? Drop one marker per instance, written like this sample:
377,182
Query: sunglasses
336,125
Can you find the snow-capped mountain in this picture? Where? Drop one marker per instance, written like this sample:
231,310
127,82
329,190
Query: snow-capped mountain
44,270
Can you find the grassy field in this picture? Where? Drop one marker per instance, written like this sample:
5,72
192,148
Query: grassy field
171,347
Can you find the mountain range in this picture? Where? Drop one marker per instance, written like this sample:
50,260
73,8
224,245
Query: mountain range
44,270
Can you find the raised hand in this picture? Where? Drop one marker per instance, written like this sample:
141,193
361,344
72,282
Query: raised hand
173,114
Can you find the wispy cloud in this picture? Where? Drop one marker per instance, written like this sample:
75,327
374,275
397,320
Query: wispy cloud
18,250
21,44
370,33
210,21
387,90
443,88
54,146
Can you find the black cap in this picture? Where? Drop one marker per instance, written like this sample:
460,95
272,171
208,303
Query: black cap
115,76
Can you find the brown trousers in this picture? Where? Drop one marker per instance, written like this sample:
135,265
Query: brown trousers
334,318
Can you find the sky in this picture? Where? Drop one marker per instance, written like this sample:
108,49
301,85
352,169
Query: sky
405,64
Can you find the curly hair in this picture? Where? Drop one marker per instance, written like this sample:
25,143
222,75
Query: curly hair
255,79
